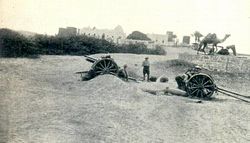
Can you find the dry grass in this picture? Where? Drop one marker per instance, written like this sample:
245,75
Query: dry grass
42,100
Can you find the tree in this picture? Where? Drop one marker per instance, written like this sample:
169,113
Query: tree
197,36
137,35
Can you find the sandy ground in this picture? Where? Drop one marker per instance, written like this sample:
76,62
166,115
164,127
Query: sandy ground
42,100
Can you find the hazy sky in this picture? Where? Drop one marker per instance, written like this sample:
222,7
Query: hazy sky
148,16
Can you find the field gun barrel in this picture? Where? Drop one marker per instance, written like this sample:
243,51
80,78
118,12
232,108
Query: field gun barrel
90,59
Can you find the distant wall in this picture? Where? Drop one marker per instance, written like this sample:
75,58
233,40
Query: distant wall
230,64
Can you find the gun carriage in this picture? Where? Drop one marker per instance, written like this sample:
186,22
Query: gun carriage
202,85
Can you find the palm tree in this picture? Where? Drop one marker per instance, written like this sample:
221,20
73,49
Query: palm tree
197,36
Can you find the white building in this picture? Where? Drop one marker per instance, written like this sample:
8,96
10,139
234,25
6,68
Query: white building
156,39
159,39
115,35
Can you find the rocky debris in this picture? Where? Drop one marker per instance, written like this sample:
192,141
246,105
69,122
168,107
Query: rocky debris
153,78
162,78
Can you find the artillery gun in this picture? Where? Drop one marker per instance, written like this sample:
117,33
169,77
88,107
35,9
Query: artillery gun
202,85
103,65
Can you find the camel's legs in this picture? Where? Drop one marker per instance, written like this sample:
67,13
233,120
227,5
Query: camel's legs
200,46
204,47
211,51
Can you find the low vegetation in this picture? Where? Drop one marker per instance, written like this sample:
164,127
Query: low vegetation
137,35
13,44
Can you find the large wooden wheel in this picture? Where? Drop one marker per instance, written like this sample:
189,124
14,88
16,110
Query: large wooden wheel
105,66
201,86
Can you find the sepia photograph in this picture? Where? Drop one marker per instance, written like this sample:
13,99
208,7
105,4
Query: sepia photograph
124,71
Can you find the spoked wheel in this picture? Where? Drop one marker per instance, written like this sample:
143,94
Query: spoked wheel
105,66
201,86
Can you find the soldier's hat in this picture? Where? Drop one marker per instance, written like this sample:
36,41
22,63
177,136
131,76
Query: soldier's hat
198,67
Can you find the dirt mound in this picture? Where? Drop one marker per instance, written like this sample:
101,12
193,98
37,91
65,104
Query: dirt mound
105,83
107,78
109,86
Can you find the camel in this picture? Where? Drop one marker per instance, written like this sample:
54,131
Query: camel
211,39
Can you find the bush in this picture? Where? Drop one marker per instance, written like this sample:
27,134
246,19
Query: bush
137,35
13,44
140,49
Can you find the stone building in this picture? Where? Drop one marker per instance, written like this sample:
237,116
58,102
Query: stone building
170,36
158,39
186,40
115,35
69,31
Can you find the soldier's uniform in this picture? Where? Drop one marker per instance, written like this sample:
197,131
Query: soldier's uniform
146,68
182,79
122,73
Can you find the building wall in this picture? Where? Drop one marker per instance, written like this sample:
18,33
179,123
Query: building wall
62,32
170,36
69,31
115,35
186,40
158,39
149,44
118,36
131,41
230,64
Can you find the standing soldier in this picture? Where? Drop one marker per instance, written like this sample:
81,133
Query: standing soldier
146,69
